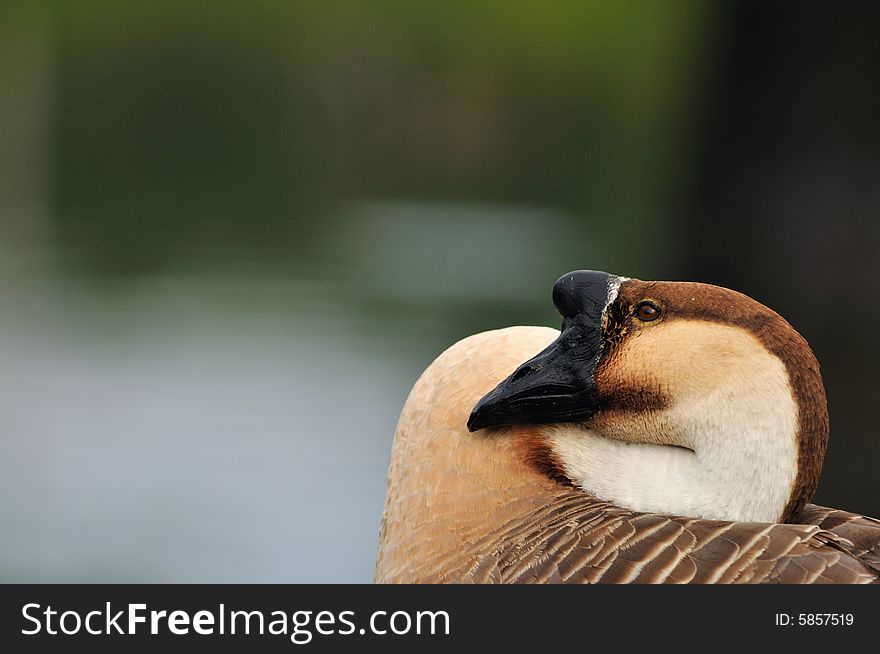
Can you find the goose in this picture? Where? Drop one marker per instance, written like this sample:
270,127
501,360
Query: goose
671,432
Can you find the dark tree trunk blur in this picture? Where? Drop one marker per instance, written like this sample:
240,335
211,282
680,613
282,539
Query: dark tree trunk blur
787,204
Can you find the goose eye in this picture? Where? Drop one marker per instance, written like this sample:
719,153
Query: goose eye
646,312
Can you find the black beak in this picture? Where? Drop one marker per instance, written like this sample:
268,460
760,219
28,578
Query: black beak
558,384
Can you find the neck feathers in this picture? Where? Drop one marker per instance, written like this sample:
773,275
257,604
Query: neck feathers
808,391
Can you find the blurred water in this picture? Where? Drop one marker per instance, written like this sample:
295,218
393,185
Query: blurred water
146,440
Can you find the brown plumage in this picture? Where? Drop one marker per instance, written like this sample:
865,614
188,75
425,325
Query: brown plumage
496,506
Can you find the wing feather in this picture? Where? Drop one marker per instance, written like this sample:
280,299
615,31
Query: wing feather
575,538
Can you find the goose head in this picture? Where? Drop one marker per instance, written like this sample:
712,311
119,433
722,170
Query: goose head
672,397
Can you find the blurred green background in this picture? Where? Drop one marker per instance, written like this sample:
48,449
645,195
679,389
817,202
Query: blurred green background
233,234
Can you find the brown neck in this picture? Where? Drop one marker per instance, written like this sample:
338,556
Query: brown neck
809,393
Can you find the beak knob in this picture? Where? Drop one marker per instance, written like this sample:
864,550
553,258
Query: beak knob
581,292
